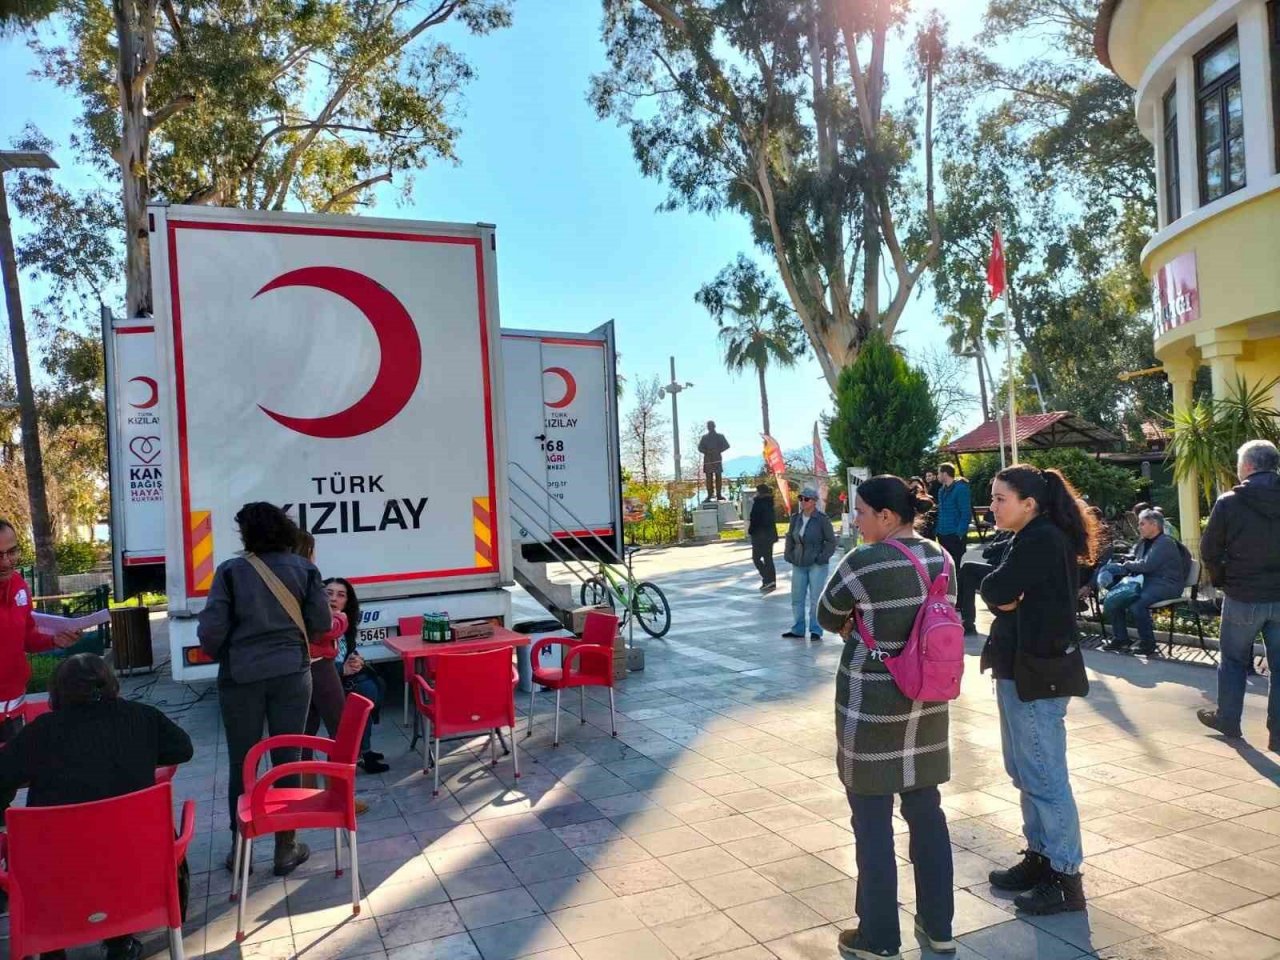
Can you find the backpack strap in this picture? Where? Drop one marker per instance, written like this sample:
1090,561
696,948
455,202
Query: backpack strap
282,593
929,583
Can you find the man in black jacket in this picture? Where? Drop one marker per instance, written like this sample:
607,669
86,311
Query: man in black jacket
969,579
762,529
1241,551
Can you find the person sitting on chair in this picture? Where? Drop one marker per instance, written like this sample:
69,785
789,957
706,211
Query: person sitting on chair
93,745
1159,562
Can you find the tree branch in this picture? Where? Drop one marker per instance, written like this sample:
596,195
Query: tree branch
176,105
353,190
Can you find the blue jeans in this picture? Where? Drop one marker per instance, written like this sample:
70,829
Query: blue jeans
366,684
876,897
1241,624
1034,739
1141,610
809,579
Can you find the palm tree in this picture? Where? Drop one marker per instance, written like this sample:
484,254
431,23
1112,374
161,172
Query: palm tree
757,328
1206,436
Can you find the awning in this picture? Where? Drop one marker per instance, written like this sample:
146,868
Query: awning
1036,431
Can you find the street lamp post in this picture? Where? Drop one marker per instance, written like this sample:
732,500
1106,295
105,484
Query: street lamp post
41,528
675,388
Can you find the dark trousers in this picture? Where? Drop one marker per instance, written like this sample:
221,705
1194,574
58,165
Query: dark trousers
281,703
9,729
762,557
327,698
371,686
876,900
955,545
715,480
967,584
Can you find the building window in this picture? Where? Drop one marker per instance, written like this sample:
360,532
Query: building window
1273,21
1220,109
1172,182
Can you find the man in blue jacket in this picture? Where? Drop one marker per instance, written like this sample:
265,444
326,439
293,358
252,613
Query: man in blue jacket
955,512
810,543
1159,562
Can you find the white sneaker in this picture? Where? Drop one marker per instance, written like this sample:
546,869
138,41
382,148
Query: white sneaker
937,946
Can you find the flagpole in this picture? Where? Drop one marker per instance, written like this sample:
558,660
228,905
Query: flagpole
1008,345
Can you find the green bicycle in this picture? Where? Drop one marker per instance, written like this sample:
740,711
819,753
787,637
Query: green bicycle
644,599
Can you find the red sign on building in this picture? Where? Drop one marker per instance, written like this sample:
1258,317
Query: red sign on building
1175,294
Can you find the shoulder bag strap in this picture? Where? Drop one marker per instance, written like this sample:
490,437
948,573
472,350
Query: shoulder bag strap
286,599
920,569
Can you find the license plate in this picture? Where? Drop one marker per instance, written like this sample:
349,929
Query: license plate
372,635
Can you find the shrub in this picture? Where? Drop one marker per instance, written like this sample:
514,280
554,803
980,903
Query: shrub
885,417
75,556
42,667
1114,489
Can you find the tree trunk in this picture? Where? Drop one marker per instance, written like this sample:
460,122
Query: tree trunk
764,399
135,31
41,528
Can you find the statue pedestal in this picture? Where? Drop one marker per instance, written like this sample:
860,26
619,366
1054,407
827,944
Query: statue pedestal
728,513
706,524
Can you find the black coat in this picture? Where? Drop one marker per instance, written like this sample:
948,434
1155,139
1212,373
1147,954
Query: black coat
92,752
763,525
1241,543
1038,571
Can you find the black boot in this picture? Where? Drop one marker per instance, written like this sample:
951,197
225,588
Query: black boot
372,763
1213,720
123,948
1056,893
289,853
1022,876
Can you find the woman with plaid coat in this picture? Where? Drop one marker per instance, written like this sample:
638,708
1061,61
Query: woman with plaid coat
888,744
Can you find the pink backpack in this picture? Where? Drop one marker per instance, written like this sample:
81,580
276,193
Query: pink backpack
931,664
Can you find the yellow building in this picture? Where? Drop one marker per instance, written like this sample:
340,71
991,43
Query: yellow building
1207,80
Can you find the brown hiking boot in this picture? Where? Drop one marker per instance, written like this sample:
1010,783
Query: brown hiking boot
289,853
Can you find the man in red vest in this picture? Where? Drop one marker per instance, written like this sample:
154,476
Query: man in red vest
18,635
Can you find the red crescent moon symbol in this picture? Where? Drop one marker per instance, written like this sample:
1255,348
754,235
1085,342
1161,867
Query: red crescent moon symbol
151,385
399,365
570,387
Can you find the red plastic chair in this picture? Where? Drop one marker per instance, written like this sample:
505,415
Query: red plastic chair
265,808
473,692
587,663
84,872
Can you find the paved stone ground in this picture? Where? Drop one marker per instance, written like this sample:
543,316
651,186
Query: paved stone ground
715,825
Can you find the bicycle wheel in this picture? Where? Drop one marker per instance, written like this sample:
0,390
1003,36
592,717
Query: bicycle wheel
653,613
595,592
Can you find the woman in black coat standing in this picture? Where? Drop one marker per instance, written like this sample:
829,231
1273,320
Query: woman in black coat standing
763,531
1034,654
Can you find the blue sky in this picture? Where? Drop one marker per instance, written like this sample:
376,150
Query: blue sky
579,238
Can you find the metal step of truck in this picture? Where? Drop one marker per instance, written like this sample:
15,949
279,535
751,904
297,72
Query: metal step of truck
557,599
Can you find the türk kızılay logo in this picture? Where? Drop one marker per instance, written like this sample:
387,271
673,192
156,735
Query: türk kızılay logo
399,349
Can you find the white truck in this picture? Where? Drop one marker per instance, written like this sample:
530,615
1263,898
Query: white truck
352,370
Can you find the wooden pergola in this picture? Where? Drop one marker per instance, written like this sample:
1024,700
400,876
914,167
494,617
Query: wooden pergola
1037,431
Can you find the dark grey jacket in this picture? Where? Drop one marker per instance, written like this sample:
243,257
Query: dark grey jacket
244,627
816,546
1241,542
1160,563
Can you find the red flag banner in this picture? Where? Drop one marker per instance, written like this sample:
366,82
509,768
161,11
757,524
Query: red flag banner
820,468
995,268
773,457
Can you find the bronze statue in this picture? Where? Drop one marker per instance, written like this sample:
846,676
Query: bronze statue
712,447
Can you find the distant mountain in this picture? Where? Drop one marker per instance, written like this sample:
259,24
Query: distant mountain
753,466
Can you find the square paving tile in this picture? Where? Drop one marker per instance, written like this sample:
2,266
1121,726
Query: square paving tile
699,937
1220,939
489,909
799,873
591,920
775,917
1151,910
696,864
667,904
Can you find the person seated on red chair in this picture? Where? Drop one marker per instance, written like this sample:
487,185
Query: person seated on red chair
91,746
18,637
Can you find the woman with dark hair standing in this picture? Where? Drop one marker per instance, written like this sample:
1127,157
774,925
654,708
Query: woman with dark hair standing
262,611
1035,657
887,743
91,746
357,676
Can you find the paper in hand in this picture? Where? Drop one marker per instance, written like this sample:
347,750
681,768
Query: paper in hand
47,623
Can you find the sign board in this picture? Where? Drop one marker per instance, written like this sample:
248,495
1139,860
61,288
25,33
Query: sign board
855,476
563,436
1175,294
138,454
346,368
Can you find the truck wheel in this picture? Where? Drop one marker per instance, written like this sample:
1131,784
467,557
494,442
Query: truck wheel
653,613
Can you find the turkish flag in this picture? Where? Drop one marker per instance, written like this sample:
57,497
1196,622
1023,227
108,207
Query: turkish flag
995,267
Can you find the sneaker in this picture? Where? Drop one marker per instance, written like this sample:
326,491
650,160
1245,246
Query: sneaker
1146,651
792,635
1213,721
853,948
937,946
768,587
1056,893
815,636
1022,876
1115,646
